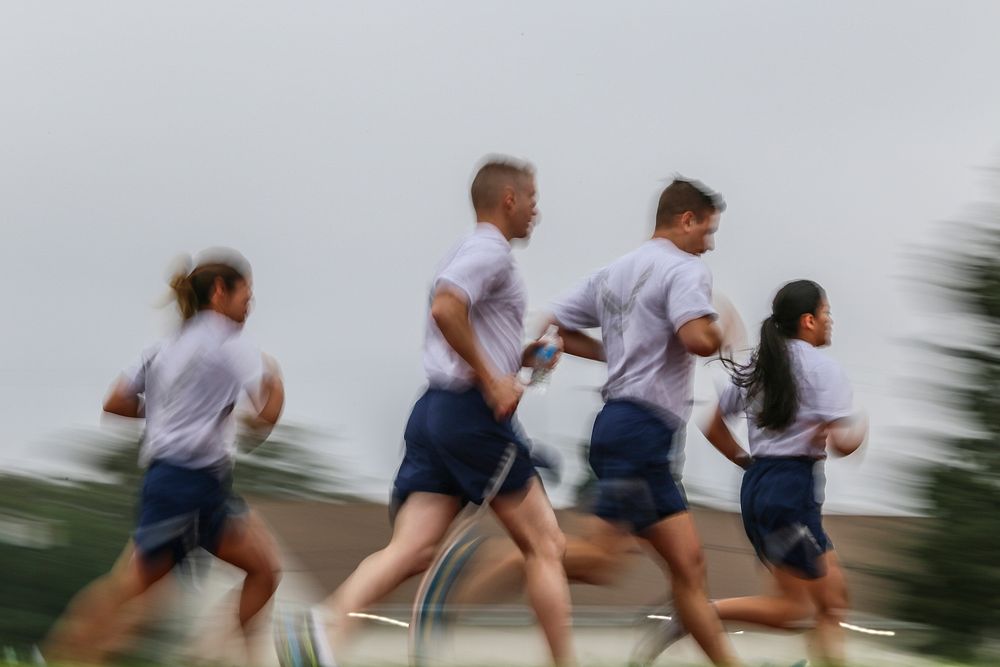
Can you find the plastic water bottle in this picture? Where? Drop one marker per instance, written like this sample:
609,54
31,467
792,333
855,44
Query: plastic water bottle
543,357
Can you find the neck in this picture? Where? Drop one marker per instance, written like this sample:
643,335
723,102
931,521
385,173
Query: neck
671,234
806,337
216,310
497,221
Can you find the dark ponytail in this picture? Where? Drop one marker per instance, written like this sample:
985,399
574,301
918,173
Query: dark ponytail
768,377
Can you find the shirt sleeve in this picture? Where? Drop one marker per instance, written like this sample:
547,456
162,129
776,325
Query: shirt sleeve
246,363
689,294
473,271
732,400
135,373
834,395
577,309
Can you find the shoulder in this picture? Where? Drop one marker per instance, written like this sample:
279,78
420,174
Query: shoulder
819,367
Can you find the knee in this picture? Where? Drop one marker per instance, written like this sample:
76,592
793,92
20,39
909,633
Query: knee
830,615
550,546
547,545
412,559
557,545
832,603
832,607
802,611
689,571
266,568
422,558
268,573
275,575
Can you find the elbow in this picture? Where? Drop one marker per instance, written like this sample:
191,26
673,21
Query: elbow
845,448
701,338
269,418
115,405
703,347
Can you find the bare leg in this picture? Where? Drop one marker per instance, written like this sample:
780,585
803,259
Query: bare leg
531,523
782,611
676,540
596,558
829,594
91,617
421,524
247,544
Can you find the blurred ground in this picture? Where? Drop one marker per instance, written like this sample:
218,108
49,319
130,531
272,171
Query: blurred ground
329,540
323,543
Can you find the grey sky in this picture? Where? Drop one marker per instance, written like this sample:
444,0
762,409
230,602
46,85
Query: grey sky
333,143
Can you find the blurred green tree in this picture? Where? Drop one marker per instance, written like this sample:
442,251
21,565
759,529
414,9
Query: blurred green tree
58,534
952,582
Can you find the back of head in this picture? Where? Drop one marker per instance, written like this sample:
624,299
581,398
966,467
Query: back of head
683,195
193,287
769,376
793,300
495,174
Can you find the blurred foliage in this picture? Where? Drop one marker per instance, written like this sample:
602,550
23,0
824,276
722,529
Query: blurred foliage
952,585
57,535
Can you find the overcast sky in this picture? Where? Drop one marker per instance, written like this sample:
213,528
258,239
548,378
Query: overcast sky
333,144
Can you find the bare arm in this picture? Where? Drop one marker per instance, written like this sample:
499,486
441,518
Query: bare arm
582,345
451,314
272,392
574,342
845,436
268,402
123,401
701,336
722,439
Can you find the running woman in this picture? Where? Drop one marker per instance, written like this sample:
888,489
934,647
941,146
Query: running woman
798,405
186,388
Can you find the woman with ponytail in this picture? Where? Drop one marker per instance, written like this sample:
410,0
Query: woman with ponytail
186,389
798,404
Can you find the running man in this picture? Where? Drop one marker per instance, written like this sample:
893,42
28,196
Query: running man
654,308
461,426
798,404
186,389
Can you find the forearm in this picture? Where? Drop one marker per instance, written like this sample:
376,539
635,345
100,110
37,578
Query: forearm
845,436
274,403
701,336
579,344
722,439
124,402
452,318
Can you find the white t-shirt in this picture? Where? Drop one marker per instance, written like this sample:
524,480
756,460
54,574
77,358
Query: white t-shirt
640,301
190,384
824,394
482,270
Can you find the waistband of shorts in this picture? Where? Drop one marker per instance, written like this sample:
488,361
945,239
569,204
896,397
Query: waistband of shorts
778,459
667,418
222,471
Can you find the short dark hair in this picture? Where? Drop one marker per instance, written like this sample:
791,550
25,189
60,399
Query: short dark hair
683,195
496,172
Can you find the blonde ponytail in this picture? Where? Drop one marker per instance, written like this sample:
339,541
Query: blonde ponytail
187,300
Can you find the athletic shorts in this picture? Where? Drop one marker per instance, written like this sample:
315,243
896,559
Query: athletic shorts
630,450
184,508
782,516
454,446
